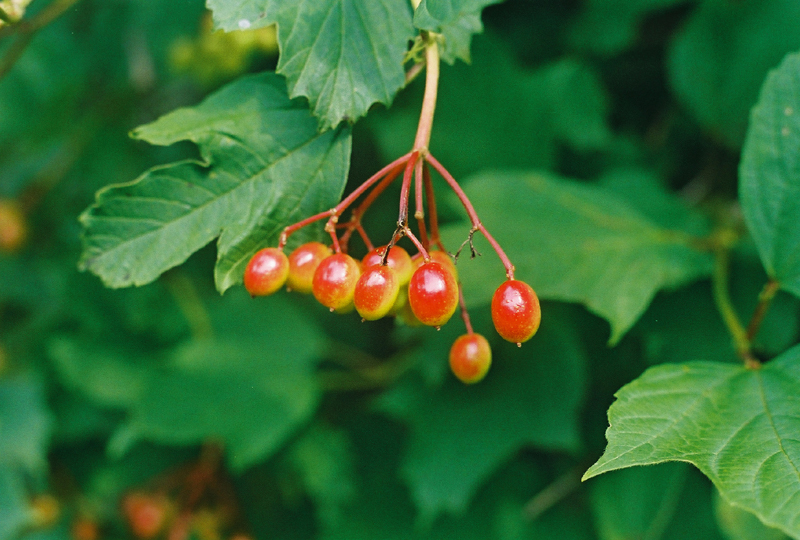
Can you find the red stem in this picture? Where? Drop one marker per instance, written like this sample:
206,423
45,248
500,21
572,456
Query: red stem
402,217
464,313
337,210
433,218
473,216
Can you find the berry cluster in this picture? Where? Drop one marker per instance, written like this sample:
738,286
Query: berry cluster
423,289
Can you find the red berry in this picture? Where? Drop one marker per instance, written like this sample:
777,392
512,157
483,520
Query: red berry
433,294
437,256
335,281
515,311
398,259
470,358
146,514
376,292
303,262
266,272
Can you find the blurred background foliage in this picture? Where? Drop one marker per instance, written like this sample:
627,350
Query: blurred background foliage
219,417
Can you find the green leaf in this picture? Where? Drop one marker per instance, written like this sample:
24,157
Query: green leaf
456,20
343,55
107,377
25,424
265,166
738,426
738,524
770,175
531,396
719,59
575,242
670,501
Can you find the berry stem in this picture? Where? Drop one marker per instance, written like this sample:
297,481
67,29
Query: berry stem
402,217
431,88
433,218
360,210
419,211
464,313
473,216
334,213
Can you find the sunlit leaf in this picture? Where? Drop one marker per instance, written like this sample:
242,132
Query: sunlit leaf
575,242
265,165
737,425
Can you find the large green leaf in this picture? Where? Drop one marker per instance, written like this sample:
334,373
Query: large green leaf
343,55
770,174
531,396
456,20
738,426
576,242
265,165
720,57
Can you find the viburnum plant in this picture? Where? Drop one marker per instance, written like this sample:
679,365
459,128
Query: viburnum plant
373,285
348,150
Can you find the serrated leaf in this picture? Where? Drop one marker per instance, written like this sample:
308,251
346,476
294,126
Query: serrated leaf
575,242
531,396
433,14
738,426
720,57
770,175
343,55
25,424
456,20
265,166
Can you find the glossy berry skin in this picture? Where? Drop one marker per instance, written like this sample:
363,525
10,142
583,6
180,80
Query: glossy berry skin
335,281
398,259
266,272
376,292
303,262
470,358
437,256
515,311
433,294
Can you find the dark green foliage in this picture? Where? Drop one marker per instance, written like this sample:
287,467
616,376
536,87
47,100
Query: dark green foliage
599,141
